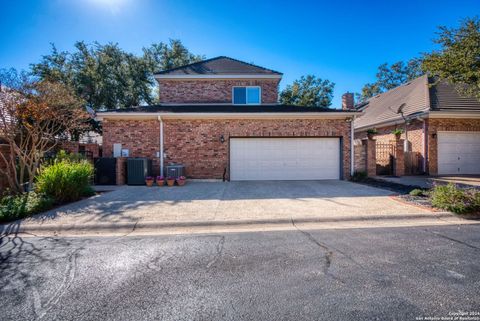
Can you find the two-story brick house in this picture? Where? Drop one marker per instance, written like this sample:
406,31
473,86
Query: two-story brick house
221,119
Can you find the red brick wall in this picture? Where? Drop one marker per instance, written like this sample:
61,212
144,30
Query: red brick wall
140,137
415,135
196,143
213,91
435,125
74,147
360,149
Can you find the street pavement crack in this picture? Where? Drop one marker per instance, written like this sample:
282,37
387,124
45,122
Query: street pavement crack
453,240
328,253
219,250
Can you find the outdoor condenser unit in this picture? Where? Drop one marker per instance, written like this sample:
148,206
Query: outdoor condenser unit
175,170
137,170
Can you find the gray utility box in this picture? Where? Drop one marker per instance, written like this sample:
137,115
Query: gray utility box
137,170
175,170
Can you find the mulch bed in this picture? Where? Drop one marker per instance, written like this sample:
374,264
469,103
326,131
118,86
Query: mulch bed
403,195
394,187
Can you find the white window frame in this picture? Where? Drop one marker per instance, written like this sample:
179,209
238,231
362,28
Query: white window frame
246,95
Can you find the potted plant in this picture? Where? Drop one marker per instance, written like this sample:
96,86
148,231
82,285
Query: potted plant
160,180
397,132
170,181
371,132
149,181
181,181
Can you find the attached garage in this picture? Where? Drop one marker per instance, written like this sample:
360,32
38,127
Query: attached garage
308,158
458,153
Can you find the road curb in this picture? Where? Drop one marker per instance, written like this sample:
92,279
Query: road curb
119,227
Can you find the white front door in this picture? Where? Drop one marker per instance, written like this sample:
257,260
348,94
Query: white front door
284,158
458,153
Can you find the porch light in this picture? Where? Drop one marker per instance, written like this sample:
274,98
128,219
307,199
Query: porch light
222,139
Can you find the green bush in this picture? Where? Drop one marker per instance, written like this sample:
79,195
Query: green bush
14,207
359,176
65,180
397,131
451,198
70,157
417,192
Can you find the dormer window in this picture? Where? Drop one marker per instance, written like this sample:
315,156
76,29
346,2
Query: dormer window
248,95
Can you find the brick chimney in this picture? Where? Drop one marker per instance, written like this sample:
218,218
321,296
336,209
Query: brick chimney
348,101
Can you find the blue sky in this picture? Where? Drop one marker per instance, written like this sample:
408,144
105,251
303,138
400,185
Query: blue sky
343,41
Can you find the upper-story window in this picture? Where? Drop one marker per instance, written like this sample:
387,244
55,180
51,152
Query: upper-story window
246,95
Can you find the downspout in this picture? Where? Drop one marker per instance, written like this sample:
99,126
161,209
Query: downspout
161,145
424,145
352,148
425,125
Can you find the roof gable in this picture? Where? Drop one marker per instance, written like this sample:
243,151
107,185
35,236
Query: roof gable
218,66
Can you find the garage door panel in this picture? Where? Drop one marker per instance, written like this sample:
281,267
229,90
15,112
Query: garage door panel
458,153
284,158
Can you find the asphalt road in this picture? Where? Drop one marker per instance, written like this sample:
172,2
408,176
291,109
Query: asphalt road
354,274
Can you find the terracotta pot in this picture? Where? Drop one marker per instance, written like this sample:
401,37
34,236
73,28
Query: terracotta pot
181,182
149,182
160,182
170,182
370,136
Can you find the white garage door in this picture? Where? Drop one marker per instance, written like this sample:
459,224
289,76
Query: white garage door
284,158
458,153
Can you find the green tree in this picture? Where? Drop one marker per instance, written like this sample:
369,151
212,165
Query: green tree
458,60
391,76
163,56
308,91
106,76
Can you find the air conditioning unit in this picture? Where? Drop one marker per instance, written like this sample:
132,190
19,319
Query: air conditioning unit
137,170
175,170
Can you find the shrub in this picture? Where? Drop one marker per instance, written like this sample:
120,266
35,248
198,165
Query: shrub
397,131
417,192
71,157
14,207
451,198
372,131
65,180
359,176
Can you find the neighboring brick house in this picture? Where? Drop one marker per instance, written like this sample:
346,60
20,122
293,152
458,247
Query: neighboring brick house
221,119
443,127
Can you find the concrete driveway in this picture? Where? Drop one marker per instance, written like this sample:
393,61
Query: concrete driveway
226,203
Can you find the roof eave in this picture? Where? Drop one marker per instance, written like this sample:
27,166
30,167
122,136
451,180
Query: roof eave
392,122
217,76
264,115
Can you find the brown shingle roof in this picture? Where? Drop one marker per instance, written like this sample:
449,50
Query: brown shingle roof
219,66
444,96
383,107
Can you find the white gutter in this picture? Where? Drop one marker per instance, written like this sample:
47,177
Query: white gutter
161,145
257,76
352,150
